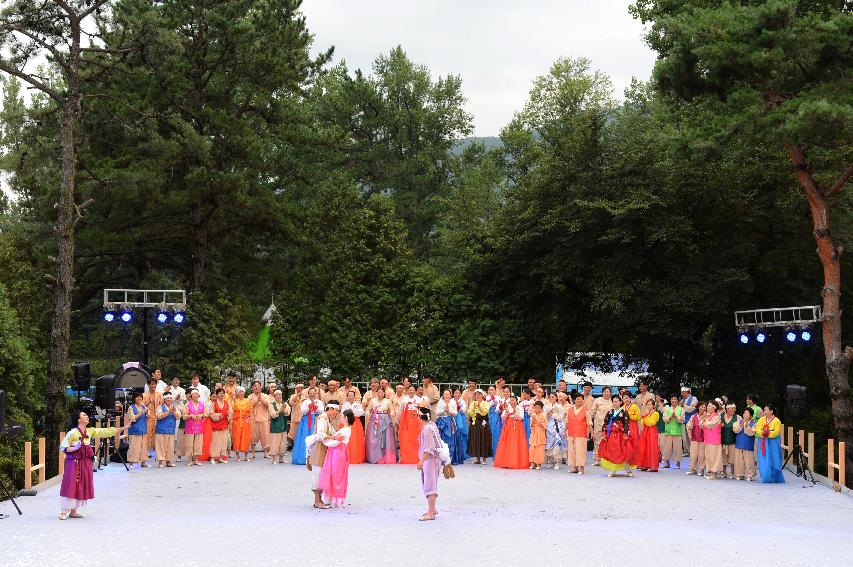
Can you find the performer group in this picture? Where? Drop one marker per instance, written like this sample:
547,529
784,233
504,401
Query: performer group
329,426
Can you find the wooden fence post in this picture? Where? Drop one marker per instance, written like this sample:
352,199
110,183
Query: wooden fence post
42,461
61,454
28,464
832,465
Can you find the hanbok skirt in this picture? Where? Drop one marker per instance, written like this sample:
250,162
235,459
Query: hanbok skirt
649,450
556,442
410,430
495,426
381,443
527,426
634,442
356,443
334,476
480,438
78,483
461,438
300,451
770,459
616,452
512,447
447,429
207,437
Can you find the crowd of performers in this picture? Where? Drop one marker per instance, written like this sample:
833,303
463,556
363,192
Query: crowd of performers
386,425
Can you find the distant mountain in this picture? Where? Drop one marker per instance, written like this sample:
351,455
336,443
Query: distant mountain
488,141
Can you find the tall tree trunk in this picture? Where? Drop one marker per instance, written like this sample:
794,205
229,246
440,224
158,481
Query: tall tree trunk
56,412
199,247
838,358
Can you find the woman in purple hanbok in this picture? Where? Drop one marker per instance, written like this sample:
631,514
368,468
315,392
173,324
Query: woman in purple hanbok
429,462
78,484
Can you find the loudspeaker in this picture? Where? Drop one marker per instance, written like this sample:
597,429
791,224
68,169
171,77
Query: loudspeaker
82,376
795,402
2,410
105,393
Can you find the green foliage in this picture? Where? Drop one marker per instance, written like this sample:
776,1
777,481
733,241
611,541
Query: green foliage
17,378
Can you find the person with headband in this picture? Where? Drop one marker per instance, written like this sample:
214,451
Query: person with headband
326,429
429,463
729,437
279,410
241,424
164,437
712,430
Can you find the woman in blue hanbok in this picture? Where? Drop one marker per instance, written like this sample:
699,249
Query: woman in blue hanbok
496,408
445,420
461,427
767,431
311,408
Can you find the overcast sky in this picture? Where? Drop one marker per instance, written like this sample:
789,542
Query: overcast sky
497,46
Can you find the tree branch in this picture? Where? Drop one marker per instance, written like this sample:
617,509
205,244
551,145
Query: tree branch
72,15
92,8
840,183
36,39
29,79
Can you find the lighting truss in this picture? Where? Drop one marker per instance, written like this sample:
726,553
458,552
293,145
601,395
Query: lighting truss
778,317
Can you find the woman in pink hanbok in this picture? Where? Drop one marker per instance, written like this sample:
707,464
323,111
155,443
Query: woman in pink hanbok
334,476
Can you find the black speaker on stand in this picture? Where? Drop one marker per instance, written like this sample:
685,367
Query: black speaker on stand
796,408
82,376
796,402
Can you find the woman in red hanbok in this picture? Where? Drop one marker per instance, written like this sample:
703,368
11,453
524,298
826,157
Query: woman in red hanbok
357,439
648,458
410,428
616,450
512,450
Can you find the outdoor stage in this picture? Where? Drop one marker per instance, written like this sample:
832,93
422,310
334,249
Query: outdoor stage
259,513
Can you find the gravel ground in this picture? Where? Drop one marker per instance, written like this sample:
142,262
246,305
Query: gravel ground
259,512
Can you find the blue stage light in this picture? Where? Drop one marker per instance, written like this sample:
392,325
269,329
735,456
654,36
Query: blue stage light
760,337
791,336
806,335
162,317
126,316
109,316
743,338
179,317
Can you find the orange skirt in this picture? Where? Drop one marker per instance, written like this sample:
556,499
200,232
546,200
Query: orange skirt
207,437
410,431
512,448
356,443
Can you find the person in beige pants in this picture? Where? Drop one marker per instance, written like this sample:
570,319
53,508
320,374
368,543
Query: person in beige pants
697,448
137,419
600,407
164,443
745,446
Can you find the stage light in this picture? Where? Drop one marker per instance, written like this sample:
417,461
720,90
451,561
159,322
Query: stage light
179,317
760,337
743,338
806,335
109,316
162,317
791,336
126,316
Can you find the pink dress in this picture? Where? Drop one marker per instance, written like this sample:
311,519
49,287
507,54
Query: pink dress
194,426
428,442
334,476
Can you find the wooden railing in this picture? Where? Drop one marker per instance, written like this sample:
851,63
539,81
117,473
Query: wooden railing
832,465
806,441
